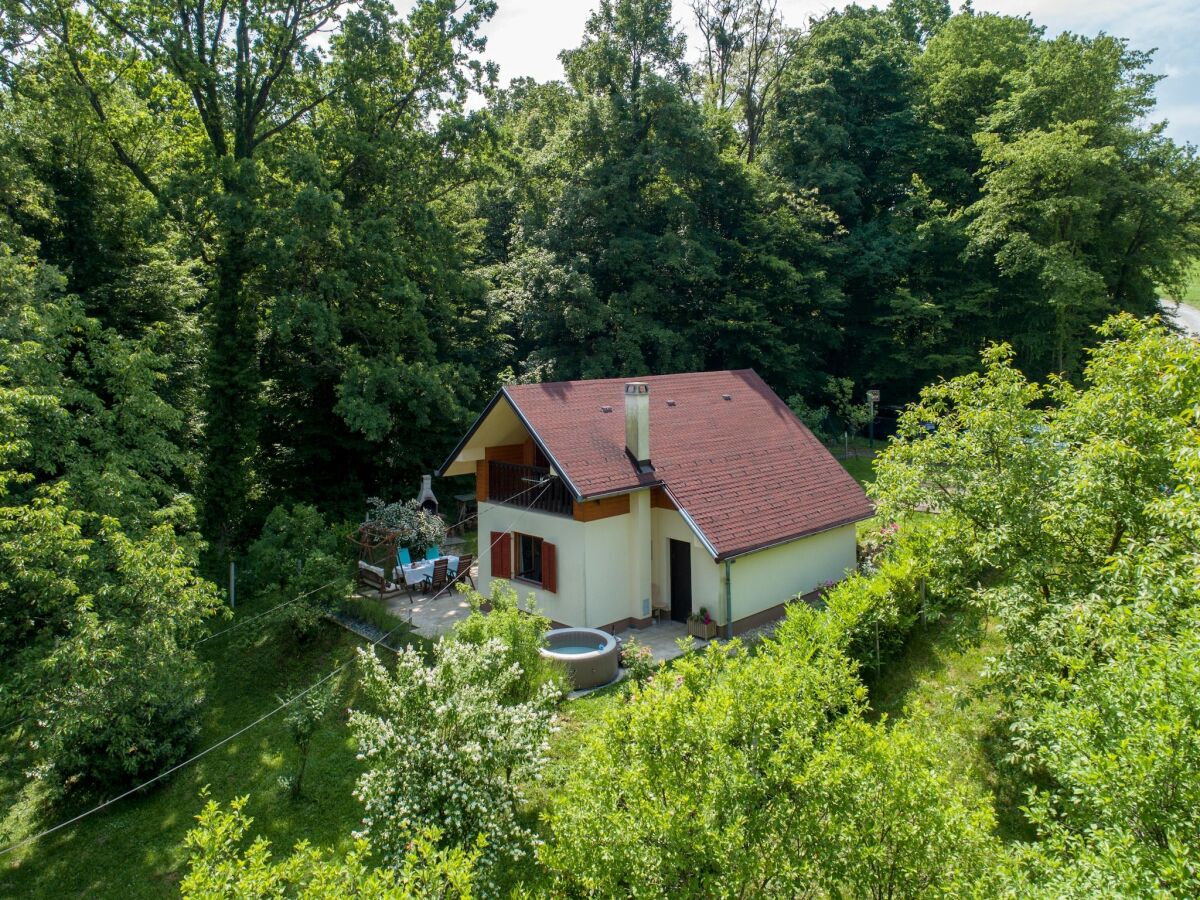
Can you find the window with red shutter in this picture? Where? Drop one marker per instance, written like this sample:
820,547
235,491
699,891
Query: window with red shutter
549,567
535,561
501,554
527,558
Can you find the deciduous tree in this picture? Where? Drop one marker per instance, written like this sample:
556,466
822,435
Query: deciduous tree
220,867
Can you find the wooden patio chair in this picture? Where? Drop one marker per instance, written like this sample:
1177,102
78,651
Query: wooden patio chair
464,569
438,580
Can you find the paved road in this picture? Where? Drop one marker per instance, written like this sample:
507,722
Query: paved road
1186,317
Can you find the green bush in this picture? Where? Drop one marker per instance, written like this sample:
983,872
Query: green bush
302,720
522,632
298,554
414,527
873,614
445,748
119,693
899,583
638,662
695,787
224,863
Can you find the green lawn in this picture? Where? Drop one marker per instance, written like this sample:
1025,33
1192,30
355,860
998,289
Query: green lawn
135,848
1191,290
567,745
861,465
937,685
862,468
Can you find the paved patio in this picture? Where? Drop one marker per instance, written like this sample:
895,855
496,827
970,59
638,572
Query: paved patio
662,638
434,616
431,616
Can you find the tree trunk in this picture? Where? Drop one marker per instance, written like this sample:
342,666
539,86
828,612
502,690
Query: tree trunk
231,401
298,782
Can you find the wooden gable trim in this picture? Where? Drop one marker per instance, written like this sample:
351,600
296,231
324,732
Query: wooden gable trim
481,480
458,448
539,446
660,500
509,453
605,507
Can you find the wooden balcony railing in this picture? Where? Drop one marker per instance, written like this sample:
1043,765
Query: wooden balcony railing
530,487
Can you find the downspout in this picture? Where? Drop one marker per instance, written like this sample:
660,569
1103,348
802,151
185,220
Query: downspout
729,599
583,540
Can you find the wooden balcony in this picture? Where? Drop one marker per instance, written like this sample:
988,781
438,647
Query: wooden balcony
529,487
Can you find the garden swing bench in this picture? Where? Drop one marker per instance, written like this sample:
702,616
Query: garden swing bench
377,547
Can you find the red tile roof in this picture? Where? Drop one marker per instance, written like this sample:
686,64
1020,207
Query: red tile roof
745,470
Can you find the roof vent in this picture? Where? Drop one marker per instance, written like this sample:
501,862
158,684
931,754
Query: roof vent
606,409
726,397
670,403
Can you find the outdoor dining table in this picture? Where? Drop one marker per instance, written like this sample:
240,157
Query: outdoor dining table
418,571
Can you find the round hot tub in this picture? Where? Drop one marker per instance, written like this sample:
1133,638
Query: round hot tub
592,657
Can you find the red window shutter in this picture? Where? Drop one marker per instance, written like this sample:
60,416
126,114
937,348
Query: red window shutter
549,567
501,554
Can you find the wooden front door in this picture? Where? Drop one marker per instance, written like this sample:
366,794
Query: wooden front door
681,580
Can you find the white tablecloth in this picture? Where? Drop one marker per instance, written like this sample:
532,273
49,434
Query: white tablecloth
422,569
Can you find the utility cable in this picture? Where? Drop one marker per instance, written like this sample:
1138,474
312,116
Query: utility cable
225,740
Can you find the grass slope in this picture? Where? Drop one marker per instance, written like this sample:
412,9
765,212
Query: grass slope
861,468
567,744
1191,290
937,684
134,849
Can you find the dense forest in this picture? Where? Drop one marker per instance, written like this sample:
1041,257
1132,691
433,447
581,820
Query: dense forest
262,261
323,258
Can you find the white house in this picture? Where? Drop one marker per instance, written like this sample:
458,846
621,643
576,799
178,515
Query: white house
609,499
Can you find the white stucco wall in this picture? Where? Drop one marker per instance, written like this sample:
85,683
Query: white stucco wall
597,576
668,524
773,576
611,576
601,580
564,605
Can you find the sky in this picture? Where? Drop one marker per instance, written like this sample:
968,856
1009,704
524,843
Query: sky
525,37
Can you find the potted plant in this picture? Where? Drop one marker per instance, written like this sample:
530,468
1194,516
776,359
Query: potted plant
702,625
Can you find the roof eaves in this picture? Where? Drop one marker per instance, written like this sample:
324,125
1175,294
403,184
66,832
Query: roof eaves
708,545
626,489
767,545
575,492
458,448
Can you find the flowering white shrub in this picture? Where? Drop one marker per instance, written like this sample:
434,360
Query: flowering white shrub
445,752
417,529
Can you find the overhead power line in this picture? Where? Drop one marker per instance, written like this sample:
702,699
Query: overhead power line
225,740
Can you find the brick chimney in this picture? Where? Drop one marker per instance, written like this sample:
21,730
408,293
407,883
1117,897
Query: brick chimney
637,424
